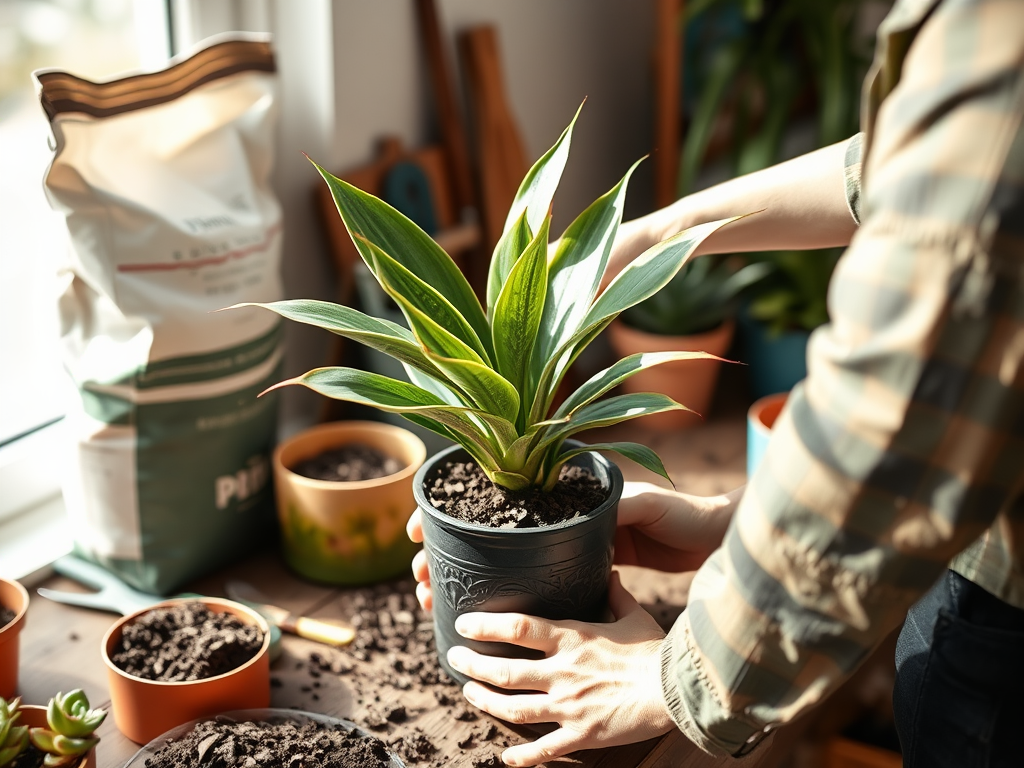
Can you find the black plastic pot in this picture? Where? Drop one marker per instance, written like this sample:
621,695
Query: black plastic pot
556,572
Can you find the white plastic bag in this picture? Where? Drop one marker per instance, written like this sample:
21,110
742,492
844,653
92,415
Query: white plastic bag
164,179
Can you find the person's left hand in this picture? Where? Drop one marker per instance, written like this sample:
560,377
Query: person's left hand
601,683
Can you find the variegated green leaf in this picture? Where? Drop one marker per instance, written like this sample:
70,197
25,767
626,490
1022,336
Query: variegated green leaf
576,270
518,311
604,413
506,253
538,187
395,396
380,334
610,377
365,215
487,388
641,454
400,282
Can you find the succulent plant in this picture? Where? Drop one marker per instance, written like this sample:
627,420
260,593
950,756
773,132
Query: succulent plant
487,379
13,738
72,724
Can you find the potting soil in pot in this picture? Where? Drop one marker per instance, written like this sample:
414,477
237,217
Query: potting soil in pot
214,744
187,641
462,490
30,758
6,616
349,463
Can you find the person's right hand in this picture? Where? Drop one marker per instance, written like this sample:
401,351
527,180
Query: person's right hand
670,531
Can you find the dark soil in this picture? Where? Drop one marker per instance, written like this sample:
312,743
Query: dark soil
6,616
463,491
30,758
185,642
214,744
349,463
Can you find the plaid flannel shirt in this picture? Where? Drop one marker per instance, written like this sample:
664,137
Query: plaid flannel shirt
903,450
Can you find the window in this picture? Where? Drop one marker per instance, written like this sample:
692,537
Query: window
96,39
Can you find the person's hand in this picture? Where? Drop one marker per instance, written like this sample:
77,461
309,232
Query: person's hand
601,683
670,531
419,563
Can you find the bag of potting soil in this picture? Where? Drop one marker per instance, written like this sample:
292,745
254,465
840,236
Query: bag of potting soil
164,181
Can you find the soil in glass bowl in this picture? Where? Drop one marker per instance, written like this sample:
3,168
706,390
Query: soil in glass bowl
266,737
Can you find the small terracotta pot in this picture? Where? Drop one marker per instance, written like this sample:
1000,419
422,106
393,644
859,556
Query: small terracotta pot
143,709
689,382
347,532
15,597
35,717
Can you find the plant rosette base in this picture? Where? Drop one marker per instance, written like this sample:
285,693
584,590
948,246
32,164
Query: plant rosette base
347,532
557,571
35,717
14,597
143,709
687,381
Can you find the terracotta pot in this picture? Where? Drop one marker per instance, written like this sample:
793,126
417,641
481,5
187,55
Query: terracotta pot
143,709
347,532
689,382
15,597
556,572
35,717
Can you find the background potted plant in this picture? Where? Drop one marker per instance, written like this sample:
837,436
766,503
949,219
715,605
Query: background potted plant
486,380
694,312
767,81
143,709
13,605
351,531
61,733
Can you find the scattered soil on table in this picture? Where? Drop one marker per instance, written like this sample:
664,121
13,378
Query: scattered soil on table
463,491
6,616
185,642
349,463
215,744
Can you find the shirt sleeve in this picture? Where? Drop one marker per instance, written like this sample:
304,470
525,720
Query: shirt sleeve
907,437
851,174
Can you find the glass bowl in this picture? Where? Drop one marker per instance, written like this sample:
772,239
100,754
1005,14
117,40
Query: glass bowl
250,715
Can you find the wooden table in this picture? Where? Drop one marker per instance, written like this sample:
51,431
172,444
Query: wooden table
60,644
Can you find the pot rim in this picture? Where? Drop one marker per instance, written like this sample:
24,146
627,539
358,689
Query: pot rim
119,625
15,625
755,413
728,325
342,427
423,502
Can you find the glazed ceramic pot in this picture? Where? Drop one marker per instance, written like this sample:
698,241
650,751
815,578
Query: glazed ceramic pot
689,382
35,717
760,419
555,572
347,532
143,709
776,361
15,597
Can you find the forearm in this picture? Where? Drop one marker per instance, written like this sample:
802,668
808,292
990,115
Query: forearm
802,201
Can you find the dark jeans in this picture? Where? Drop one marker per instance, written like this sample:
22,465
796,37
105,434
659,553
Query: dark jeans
959,694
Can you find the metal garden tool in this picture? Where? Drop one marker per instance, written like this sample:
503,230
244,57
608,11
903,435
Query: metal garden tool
115,596
319,630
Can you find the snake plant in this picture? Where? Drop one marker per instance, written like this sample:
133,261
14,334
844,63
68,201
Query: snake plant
71,724
486,378
13,738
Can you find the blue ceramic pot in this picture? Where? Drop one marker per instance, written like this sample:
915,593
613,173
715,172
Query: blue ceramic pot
777,362
555,572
